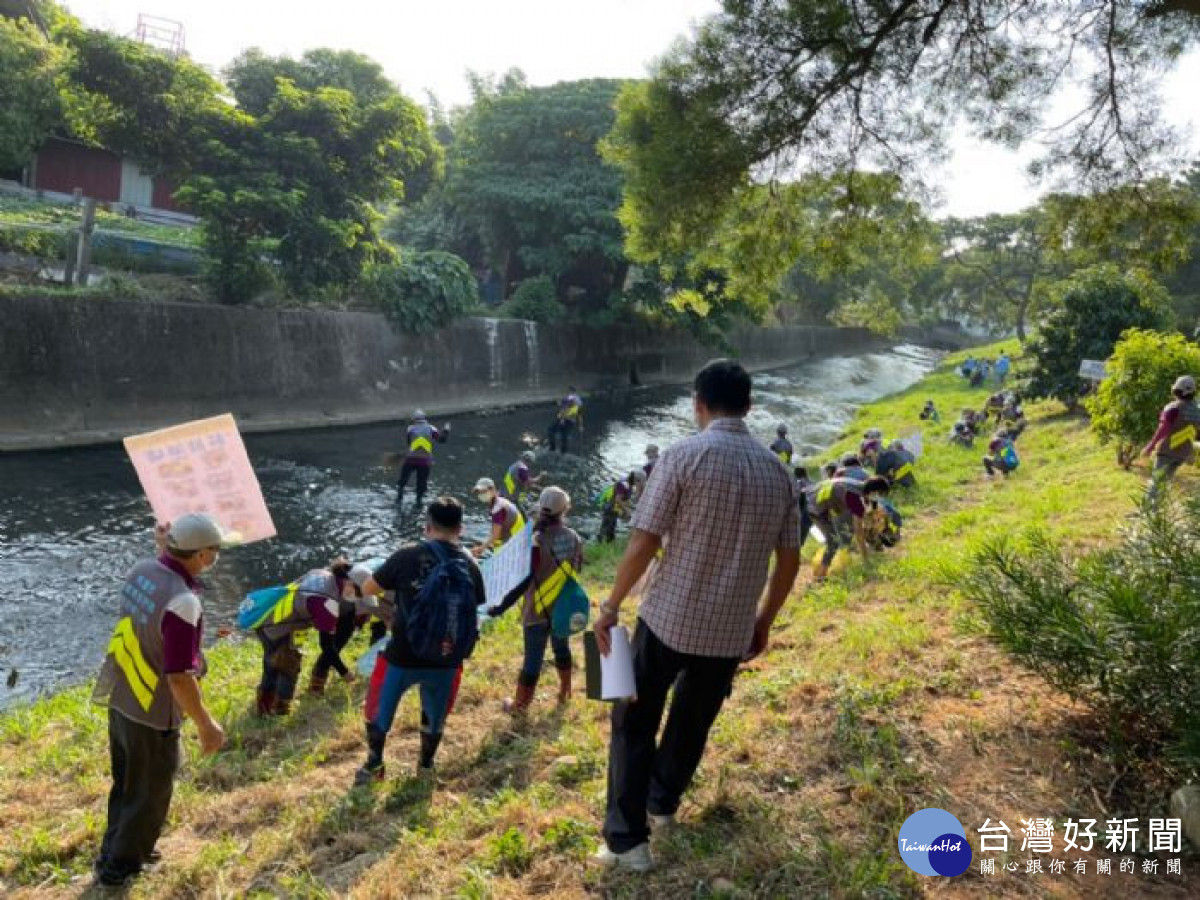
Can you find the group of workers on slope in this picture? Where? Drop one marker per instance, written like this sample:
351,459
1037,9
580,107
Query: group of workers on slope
979,371
849,504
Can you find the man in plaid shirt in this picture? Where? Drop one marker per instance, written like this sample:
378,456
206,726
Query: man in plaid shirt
719,505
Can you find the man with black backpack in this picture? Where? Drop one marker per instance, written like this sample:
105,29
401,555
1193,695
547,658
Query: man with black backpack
435,625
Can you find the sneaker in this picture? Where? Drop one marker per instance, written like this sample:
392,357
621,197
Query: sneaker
636,860
661,822
369,775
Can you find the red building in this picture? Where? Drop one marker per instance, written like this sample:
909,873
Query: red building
63,166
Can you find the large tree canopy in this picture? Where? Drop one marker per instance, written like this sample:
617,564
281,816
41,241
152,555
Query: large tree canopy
29,105
769,88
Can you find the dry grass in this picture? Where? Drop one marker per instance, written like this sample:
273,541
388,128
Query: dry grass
876,699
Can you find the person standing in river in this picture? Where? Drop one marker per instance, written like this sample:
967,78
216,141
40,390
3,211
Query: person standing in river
567,419
719,504
150,680
420,438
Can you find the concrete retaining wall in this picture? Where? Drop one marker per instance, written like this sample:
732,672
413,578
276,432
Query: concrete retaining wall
79,371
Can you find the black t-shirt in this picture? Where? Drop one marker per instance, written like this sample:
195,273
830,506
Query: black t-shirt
404,572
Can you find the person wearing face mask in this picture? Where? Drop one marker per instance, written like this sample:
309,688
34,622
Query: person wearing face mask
150,681
506,519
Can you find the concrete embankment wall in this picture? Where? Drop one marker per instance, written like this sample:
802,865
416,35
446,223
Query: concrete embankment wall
80,371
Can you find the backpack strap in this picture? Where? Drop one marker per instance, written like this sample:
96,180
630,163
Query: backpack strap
435,548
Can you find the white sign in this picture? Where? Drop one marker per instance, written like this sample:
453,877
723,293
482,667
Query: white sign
202,467
1094,369
508,566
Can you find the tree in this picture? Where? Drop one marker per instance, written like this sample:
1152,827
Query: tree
294,175
422,292
767,89
1143,367
29,106
525,173
996,266
1093,307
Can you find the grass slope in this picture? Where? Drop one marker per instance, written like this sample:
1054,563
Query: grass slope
874,700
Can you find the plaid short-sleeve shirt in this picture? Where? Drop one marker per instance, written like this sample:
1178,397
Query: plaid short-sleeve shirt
722,502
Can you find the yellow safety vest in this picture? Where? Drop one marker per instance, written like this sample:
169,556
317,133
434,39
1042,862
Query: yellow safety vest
547,592
127,652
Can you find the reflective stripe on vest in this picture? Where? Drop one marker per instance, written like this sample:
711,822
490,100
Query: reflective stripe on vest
127,652
421,443
517,525
824,492
903,472
286,606
1183,436
547,592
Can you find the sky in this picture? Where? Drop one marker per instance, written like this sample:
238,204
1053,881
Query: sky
428,46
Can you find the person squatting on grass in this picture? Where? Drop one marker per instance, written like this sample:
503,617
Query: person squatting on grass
836,503
557,557
438,589
718,505
150,680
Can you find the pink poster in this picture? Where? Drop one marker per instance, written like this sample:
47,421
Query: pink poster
202,466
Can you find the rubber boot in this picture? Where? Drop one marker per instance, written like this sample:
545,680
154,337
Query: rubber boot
373,768
282,706
264,702
820,571
564,684
316,683
521,700
429,747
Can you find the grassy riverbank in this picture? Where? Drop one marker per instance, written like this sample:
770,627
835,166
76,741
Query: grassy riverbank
875,699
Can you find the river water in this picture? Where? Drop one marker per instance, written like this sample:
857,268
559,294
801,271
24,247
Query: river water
72,522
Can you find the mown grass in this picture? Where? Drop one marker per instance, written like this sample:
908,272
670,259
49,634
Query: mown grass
876,698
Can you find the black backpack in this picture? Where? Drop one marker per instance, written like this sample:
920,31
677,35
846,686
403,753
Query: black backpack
442,624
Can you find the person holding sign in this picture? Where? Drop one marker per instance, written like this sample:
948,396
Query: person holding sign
556,559
150,681
719,504
506,519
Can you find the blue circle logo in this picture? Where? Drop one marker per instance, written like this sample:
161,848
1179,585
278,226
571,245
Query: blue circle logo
933,842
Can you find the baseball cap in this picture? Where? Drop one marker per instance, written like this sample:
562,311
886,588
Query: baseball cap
781,429
554,500
652,449
528,456
1185,384
484,484
418,413
195,531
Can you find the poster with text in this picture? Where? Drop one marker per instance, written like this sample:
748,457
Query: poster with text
508,566
202,467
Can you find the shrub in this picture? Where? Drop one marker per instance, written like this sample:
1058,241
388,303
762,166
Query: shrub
423,291
509,853
1092,308
1141,371
1116,629
535,299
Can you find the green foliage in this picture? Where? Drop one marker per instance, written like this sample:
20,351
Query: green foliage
46,243
509,853
423,291
29,104
133,99
1141,371
1114,629
1092,309
534,299
526,176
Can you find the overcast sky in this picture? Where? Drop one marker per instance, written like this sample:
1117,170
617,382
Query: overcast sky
427,46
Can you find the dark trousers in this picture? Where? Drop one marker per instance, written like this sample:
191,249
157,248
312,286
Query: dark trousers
642,777
560,433
144,762
332,646
281,666
406,472
536,638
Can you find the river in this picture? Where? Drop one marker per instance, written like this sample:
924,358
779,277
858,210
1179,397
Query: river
72,522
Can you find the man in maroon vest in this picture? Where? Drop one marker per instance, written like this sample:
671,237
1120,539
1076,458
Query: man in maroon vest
149,681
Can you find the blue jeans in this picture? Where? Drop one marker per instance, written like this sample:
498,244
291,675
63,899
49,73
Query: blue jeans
536,637
437,688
